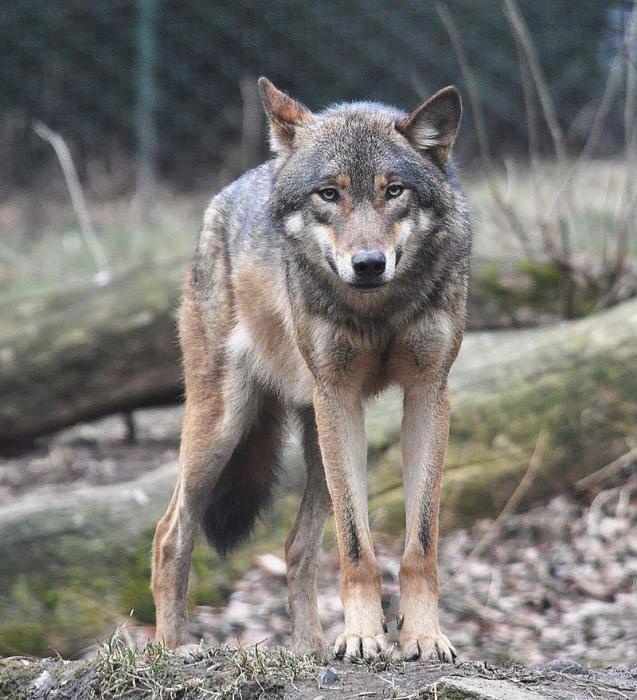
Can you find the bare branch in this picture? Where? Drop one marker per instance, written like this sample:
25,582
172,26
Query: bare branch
518,494
630,107
467,74
480,122
615,466
78,200
519,27
611,90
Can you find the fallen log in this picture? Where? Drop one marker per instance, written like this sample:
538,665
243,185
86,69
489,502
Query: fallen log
71,357
81,354
83,555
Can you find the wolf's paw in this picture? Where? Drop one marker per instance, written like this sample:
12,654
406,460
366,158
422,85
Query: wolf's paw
353,647
427,646
309,643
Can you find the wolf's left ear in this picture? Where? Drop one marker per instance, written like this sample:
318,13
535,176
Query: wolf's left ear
434,125
285,116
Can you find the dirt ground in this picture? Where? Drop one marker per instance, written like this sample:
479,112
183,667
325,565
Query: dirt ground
120,672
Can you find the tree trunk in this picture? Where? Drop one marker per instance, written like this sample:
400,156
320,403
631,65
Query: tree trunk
576,381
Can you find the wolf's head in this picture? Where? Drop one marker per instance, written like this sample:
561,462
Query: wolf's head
360,186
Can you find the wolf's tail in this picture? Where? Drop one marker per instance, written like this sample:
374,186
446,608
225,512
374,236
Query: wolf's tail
244,488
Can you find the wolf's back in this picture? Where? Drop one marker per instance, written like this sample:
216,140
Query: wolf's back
236,221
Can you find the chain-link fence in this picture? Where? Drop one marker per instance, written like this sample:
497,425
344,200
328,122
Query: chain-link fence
166,89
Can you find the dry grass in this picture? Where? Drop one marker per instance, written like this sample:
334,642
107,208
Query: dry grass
50,254
56,256
596,204
122,671
553,229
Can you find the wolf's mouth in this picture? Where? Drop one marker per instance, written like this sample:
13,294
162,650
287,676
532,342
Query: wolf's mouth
367,288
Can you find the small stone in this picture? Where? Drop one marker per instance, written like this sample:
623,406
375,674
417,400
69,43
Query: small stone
567,666
43,683
448,688
327,676
271,564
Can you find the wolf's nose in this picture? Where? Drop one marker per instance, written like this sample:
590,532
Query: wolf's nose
368,264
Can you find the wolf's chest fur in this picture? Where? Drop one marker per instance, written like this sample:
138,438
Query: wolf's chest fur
264,337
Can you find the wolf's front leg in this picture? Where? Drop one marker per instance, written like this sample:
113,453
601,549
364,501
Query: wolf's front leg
424,435
341,429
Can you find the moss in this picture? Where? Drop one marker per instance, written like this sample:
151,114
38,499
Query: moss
490,285
23,637
532,286
586,411
545,278
80,617
136,598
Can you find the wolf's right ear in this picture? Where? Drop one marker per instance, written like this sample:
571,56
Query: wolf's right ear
285,116
434,125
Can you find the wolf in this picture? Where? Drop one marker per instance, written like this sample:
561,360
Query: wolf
336,269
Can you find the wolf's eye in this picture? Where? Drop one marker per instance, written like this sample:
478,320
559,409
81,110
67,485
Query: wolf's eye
394,191
329,194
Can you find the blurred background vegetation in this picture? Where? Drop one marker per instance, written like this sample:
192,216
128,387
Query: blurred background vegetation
119,119
156,103
171,81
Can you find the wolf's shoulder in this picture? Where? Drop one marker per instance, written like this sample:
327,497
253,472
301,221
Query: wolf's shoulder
238,209
248,191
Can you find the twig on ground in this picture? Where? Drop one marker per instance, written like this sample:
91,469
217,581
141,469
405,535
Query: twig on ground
520,491
602,498
608,470
514,500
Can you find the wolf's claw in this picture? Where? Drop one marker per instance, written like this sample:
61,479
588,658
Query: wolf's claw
426,647
353,647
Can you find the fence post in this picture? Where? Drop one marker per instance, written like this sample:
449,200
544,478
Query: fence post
146,100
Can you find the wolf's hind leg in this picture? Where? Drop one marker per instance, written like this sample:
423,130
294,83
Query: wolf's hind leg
302,547
172,549
202,457
210,436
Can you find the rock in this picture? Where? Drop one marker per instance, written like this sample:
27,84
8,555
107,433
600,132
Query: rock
448,688
566,666
43,684
327,676
271,564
